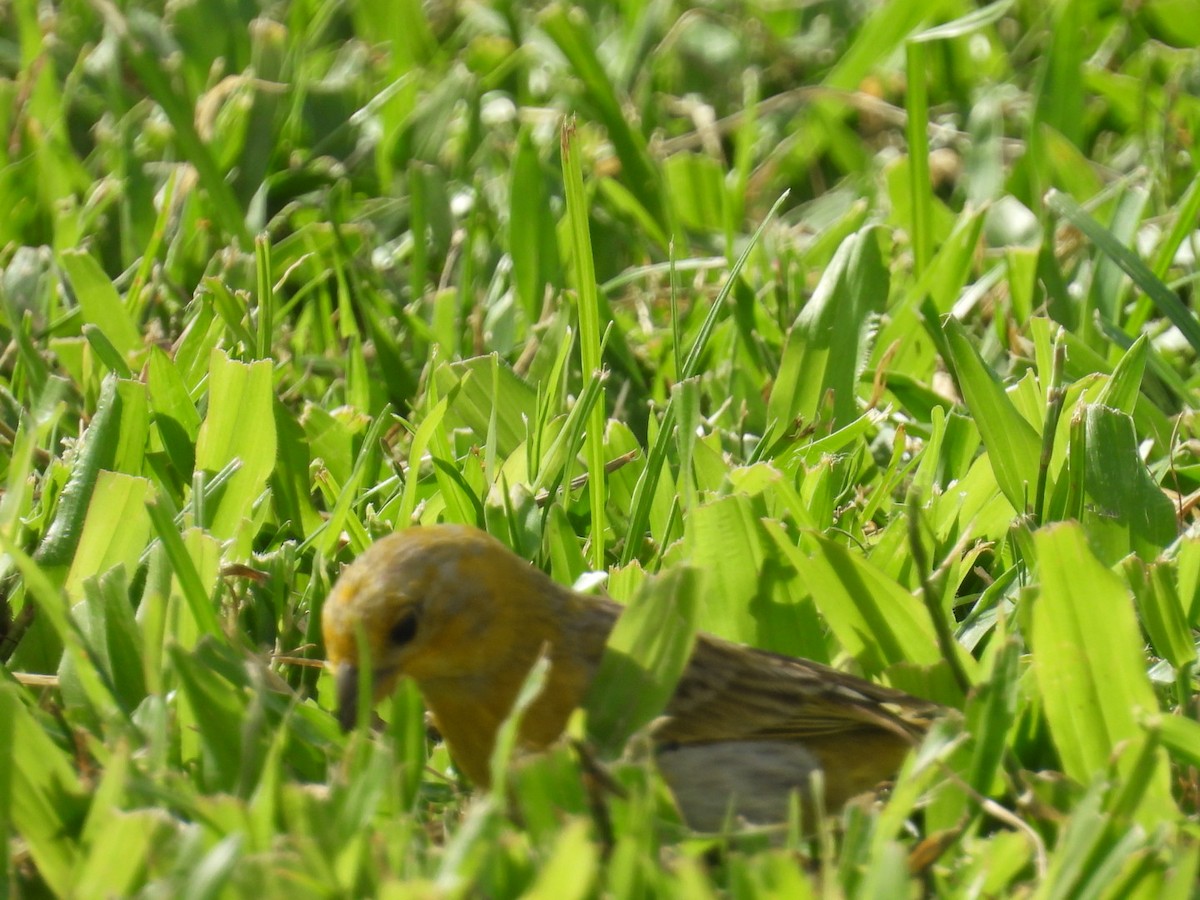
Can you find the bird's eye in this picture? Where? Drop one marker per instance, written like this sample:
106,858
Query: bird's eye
404,630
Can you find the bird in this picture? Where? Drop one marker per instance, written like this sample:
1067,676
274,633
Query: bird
452,608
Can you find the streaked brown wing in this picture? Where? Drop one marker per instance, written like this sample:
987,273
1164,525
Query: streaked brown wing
735,693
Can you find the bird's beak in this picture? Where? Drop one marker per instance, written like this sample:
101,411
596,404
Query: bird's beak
346,680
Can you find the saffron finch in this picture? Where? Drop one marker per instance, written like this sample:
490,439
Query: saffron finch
455,610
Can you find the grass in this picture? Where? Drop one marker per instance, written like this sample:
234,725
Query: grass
639,287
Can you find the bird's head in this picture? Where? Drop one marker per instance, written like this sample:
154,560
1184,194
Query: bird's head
432,603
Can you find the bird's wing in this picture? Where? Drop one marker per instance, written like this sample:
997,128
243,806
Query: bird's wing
730,692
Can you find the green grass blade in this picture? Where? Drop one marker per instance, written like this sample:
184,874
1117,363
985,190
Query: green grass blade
1012,444
590,325
644,658
1167,302
1087,660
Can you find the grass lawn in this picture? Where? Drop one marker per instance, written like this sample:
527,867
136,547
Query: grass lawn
873,321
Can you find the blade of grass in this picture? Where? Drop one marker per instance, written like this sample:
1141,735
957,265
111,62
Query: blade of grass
643,493
194,594
569,29
1012,444
1164,298
644,658
589,332
1088,663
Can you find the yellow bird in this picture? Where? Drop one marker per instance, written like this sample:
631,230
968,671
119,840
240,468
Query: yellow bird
455,610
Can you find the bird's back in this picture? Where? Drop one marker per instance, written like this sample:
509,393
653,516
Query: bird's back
733,691
745,728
